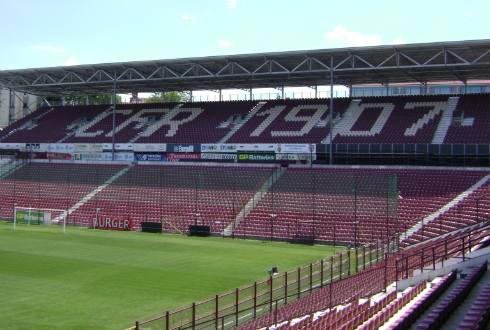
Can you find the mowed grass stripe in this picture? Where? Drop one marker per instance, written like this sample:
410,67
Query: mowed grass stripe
107,279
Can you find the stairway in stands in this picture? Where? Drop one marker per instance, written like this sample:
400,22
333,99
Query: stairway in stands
26,123
446,207
82,128
338,126
156,125
253,201
94,192
237,127
446,120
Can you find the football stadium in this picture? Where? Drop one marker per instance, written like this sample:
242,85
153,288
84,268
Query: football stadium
369,210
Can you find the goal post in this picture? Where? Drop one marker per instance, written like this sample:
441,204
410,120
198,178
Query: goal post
166,218
36,215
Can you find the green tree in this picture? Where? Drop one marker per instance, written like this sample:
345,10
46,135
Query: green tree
92,99
169,97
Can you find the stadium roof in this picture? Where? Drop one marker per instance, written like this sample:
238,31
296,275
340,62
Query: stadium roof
420,63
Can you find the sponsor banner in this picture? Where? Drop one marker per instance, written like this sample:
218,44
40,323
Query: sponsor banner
59,155
35,147
33,217
129,156
111,223
151,157
150,147
87,147
124,146
60,147
256,157
88,156
218,147
295,148
12,146
295,156
185,148
257,147
218,156
173,157
107,146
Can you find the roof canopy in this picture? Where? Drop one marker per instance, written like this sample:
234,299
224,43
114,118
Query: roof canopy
421,63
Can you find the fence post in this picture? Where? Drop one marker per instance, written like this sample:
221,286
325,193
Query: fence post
348,256
299,281
311,277
255,300
237,309
463,247
167,320
364,257
357,258
217,311
285,288
433,259
193,315
386,272
341,266
137,326
321,274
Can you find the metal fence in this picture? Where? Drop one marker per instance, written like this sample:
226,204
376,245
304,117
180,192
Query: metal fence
242,305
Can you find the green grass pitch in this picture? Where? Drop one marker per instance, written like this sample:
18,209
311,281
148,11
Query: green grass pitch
109,279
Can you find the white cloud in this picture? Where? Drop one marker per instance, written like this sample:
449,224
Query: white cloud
186,17
225,43
231,3
469,15
71,61
354,38
398,41
49,48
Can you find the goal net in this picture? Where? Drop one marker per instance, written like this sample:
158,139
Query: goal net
39,216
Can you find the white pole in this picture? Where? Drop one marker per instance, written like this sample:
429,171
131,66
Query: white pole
15,214
64,221
29,217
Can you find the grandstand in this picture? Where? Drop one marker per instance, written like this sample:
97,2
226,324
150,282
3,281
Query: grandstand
260,171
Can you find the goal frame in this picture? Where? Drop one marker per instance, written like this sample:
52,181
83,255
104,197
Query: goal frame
64,213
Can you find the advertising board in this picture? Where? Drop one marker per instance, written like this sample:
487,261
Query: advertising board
150,147
218,156
111,223
151,157
257,147
256,157
87,147
296,148
184,148
218,147
173,157
88,156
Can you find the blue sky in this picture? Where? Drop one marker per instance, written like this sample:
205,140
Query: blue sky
40,33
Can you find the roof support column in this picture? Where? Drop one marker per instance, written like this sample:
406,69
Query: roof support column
163,97
331,111
63,101
387,89
282,91
220,95
251,95
465,86
316,92
350,90
114,115
86,99
190,97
